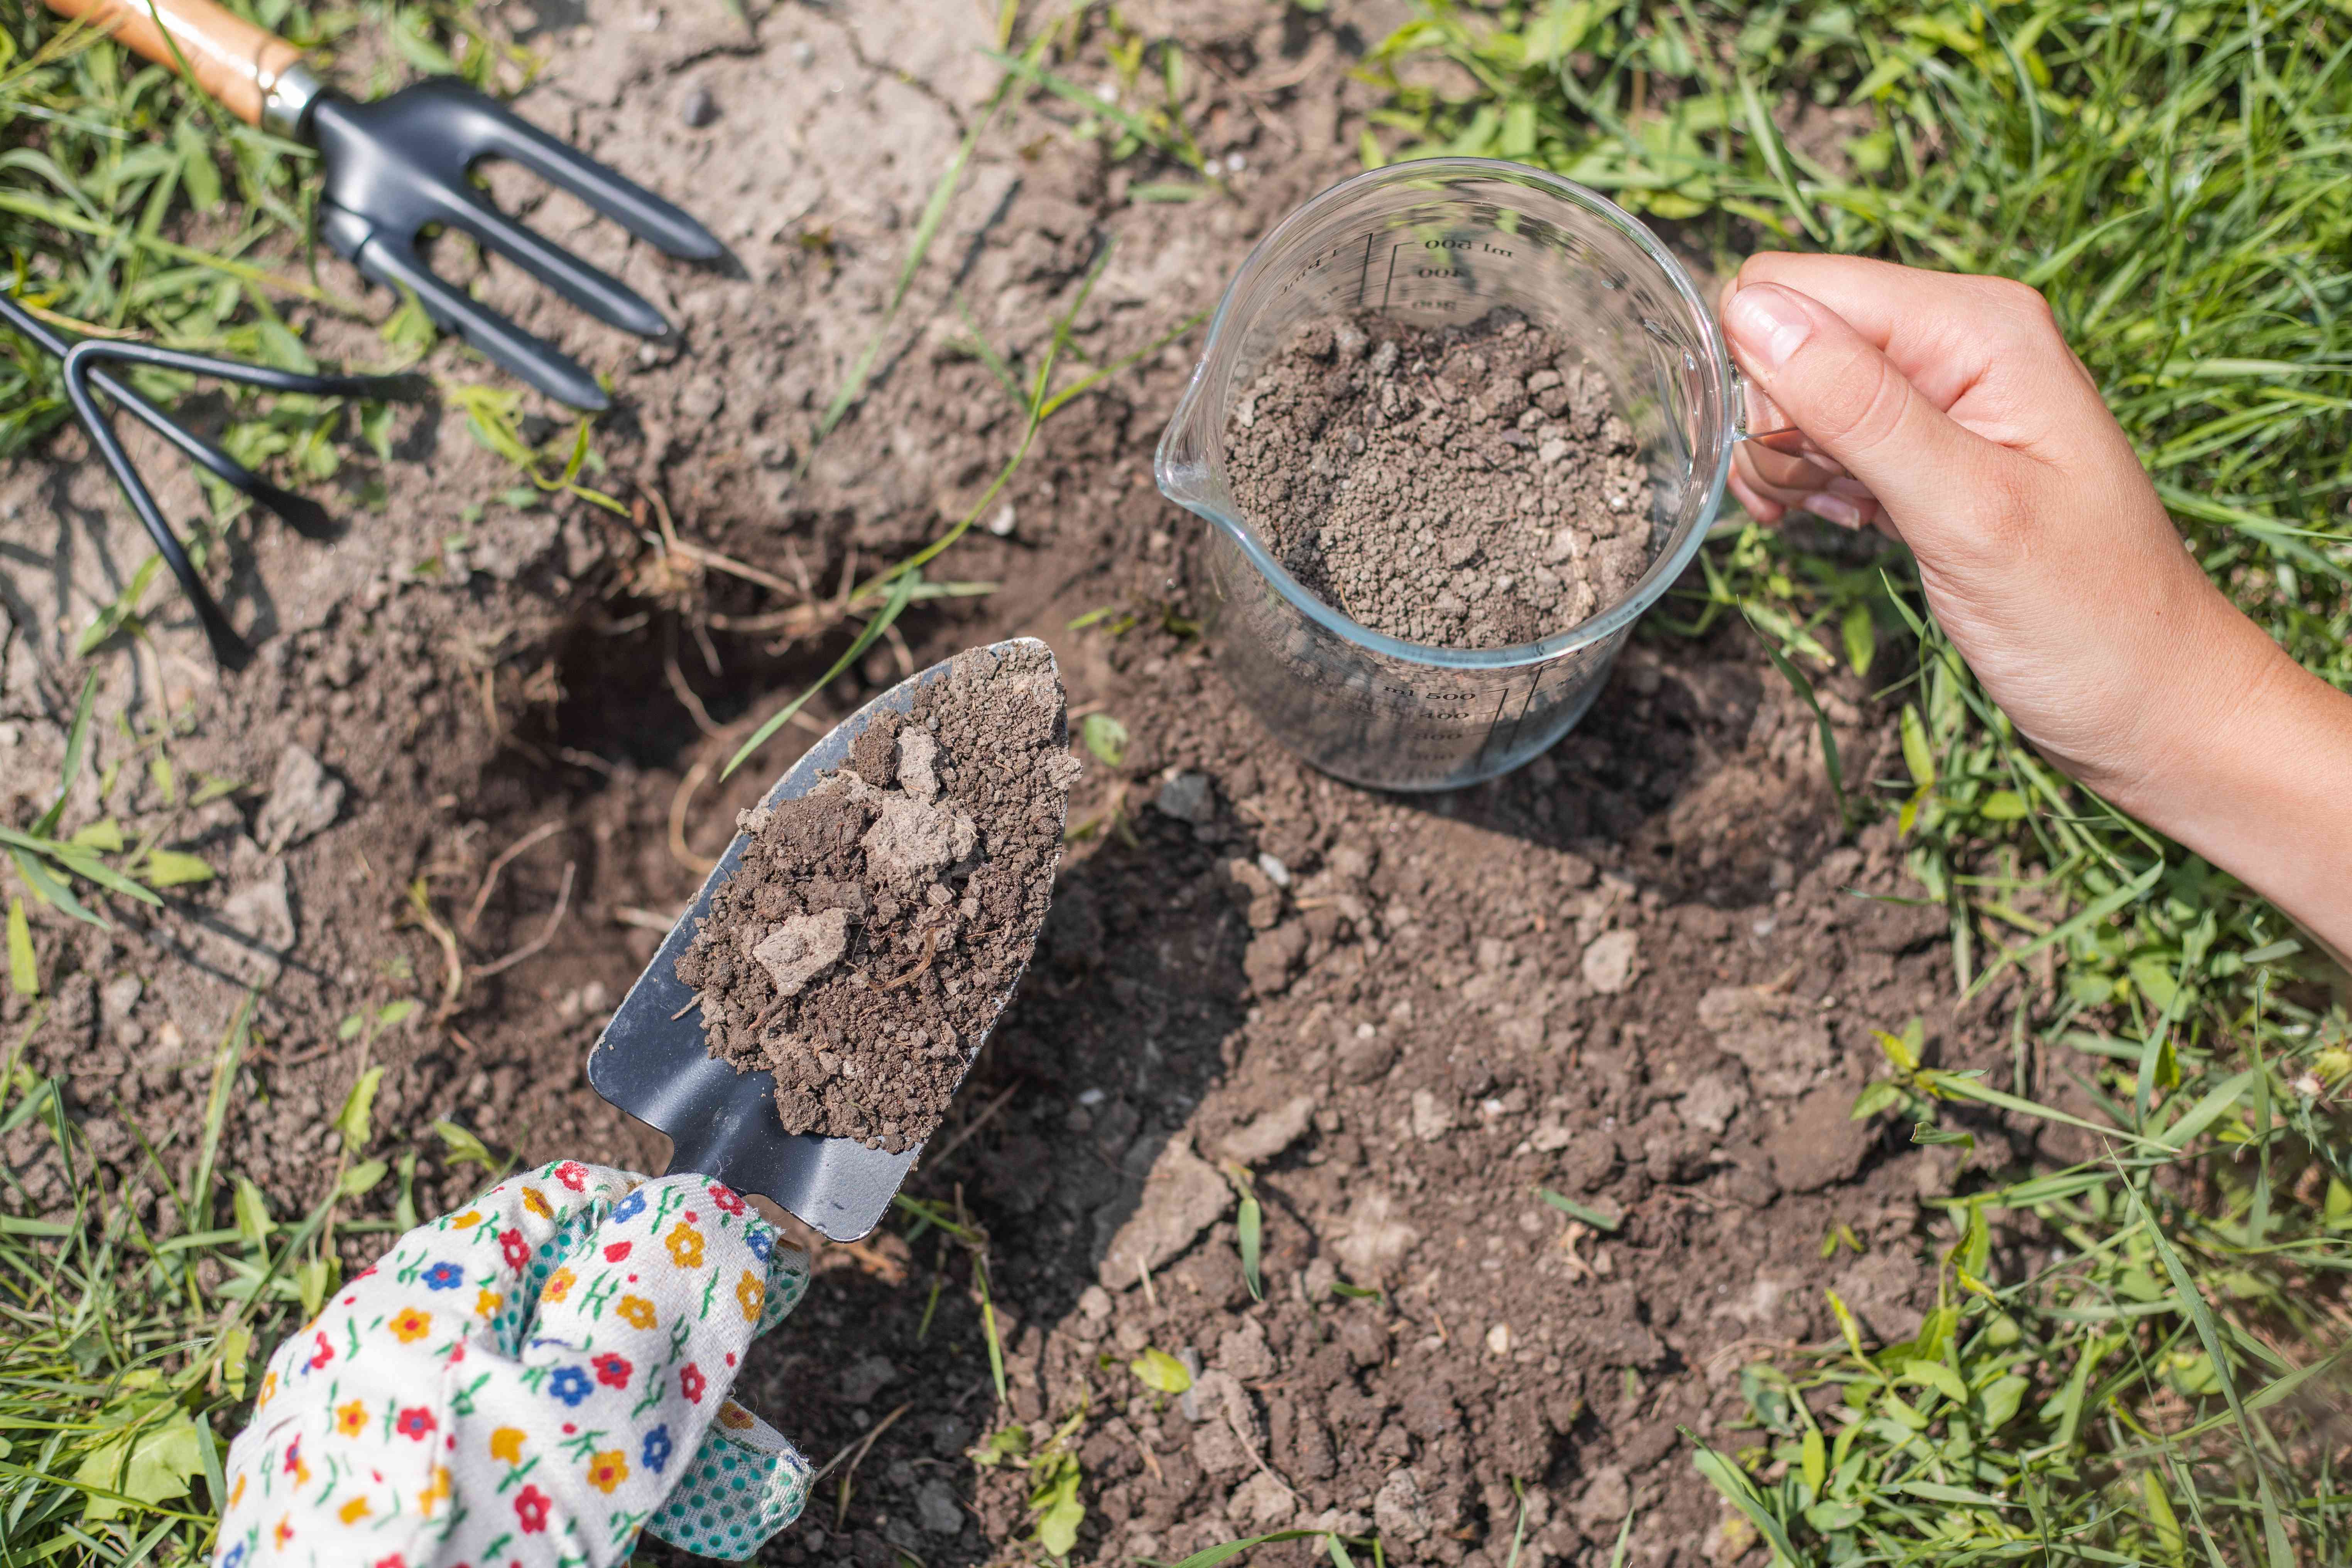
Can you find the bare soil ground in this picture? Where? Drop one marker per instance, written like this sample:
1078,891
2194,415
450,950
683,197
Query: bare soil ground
1634,973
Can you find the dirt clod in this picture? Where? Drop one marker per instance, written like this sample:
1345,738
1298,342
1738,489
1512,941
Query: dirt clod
1782,1040
887,912
1608,960
304,799
1465,486
1183,1196
1821,1142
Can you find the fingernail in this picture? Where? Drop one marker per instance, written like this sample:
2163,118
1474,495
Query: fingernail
1833,508
1767,324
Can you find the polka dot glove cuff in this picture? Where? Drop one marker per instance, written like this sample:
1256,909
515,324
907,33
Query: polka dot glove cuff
534,1380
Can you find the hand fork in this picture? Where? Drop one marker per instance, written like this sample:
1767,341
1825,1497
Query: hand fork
400,165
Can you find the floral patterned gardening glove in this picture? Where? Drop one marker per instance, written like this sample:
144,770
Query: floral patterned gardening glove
531,1381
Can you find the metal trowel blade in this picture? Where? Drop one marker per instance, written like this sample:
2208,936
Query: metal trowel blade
653,1062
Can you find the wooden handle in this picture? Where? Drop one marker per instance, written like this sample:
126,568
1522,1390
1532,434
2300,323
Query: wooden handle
229,58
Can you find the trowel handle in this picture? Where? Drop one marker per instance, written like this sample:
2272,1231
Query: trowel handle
257,75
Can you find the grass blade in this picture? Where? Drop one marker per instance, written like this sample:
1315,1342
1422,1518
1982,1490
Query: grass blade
2209,1334
927,230
1247,1224
901,591
1732,1482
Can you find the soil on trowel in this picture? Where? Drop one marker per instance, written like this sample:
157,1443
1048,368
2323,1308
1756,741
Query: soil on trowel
1464,487
876,923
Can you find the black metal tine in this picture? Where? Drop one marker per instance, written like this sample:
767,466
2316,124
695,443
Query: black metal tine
227,470
395,264
403,387
230,648
300,514
592,289
627,203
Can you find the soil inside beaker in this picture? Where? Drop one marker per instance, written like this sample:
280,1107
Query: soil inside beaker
863,947
1464,487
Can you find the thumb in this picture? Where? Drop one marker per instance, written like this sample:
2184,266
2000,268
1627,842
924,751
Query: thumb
1851,401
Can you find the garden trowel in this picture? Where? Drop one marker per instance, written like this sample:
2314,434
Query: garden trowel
653,1062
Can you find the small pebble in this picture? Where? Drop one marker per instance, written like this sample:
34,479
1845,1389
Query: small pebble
700,108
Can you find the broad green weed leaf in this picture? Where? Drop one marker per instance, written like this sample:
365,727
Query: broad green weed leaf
1011,1442
1885,1094
1249,1227
2002,806
104,836
1056,1503
2002,1399
2169,1541
1826,1517
1860,634
254,1224
352,1122
311,1283
172,868
237,1359
154,1464
198,175
1846,1325
76,737
1557,30
1156,1369
1935,1374
1916,758
460,1147
1106,737
362,1177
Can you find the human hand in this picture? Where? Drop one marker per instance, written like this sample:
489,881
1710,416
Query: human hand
532,1379
1949,410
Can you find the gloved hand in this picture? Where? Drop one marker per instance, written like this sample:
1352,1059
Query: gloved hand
532,1379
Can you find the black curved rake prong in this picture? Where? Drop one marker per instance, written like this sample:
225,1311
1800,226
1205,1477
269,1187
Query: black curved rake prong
231,472
400,164
81,361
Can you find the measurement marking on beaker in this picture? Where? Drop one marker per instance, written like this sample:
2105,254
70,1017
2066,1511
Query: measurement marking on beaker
1389,283
1364,279
1525,702
1501,699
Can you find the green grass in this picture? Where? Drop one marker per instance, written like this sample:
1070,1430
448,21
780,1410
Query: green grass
134,1308
132,206
2132,1360
127,1344
2130,1363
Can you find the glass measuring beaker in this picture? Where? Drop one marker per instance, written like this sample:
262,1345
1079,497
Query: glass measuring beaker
1437,241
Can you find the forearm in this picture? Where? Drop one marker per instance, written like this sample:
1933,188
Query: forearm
2259,781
